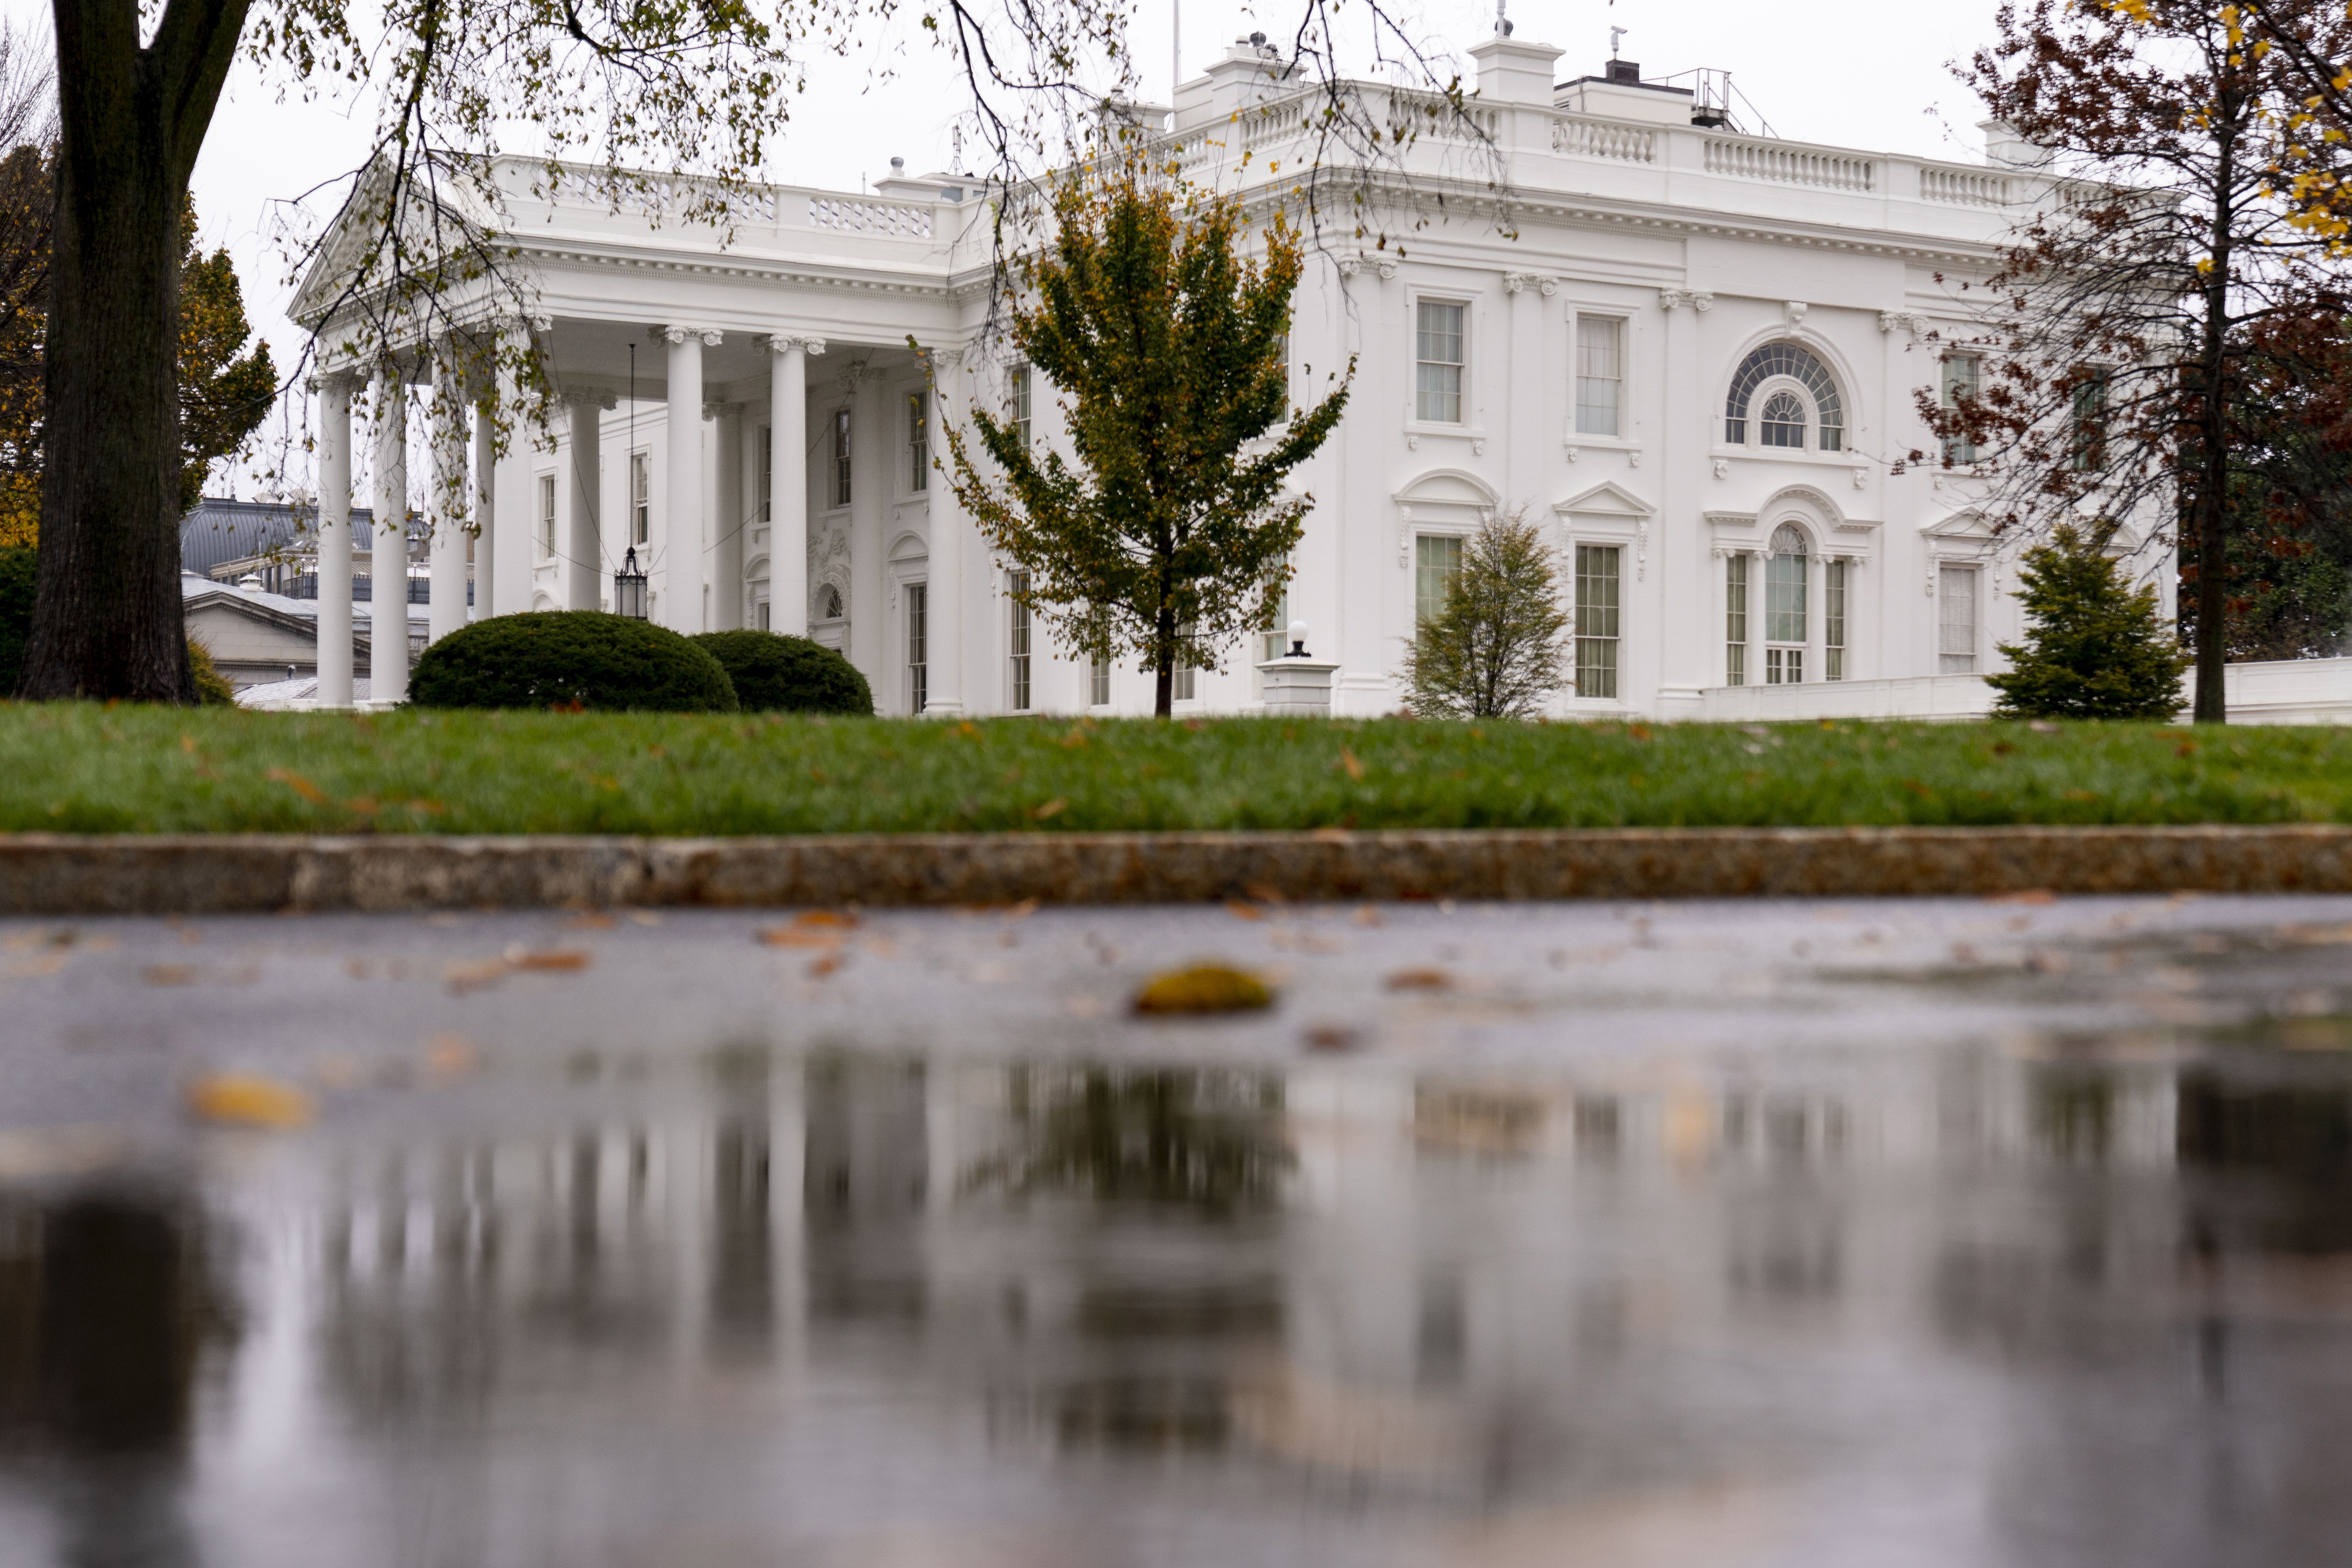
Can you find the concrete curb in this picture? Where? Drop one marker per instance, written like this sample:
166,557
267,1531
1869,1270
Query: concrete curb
63,874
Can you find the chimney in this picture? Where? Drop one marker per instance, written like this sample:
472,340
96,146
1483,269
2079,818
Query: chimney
1626,72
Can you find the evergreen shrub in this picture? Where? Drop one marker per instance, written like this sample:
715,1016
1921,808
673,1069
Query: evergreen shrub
777,674
571,658
2093,648
213,689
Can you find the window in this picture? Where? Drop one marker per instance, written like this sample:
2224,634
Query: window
768,473
763,614
919,441
919,682
1599,375
828,604
547,517
1596,619
1784,420
1017,639
1797,364
1018,407
1956,617
1439,564
1437,346
1277,622
641,499
1784,609
1961,373
1833,621
2091,420
841,456
1098,684
1179,679
1735,621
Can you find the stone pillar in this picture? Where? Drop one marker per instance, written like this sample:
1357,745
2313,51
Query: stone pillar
388,592
514,512
1689,657
445,507
334,540
582,545
950,396
485,511
675,541
788,491
722,596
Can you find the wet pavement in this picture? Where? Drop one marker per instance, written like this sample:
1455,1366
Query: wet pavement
1877,1234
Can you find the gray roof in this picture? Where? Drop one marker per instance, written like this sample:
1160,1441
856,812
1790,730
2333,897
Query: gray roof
221,530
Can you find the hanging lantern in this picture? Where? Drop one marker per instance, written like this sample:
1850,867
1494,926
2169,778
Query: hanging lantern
629,588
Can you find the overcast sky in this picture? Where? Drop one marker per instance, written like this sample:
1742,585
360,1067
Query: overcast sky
1846,72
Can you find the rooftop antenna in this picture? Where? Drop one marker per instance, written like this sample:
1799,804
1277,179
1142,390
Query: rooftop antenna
1614,35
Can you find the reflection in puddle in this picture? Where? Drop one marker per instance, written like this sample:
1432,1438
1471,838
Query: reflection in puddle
1967,1307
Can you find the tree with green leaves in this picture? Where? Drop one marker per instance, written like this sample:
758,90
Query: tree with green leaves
1170,537
2094,646
1499,646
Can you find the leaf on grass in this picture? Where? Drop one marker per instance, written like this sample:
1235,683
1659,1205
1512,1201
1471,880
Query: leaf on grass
1348,761
1204,988
247,1101
298,785
1053,807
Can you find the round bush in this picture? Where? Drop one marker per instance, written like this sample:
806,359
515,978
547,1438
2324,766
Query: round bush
777,674
564,658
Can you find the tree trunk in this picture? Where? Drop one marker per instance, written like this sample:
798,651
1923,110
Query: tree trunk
1163,660
2212,496
106,611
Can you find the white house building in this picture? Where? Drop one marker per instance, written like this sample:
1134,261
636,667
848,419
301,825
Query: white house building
1693,354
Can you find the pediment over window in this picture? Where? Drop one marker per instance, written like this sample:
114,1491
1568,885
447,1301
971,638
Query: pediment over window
1967,523
1448,488
1606,498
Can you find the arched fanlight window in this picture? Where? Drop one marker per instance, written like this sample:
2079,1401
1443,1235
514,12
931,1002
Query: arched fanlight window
828,605
1799,366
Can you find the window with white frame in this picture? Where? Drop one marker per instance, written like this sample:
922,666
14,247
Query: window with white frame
1438,353
1277,620
841,456
1833,621
768,473
1598,576
1735,620
828,604
919,669
1180,687
1962,374
1020,389
547,517
1599,375
1955,619
1801,408
1785,613
1017,639
641,499
1437,563
2090,432
918,440
1098,684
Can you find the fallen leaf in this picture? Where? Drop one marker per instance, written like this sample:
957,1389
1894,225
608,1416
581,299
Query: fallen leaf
465,977
1203,988
1366,915
590,920
2023,896
1348,761
842,917
1053,807
169,974
1022,910
819,968
247,1101
298,785
789,936
1262,893
556,960
1242,911
1428,979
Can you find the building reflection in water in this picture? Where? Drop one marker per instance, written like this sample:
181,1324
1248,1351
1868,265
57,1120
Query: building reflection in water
2074,1311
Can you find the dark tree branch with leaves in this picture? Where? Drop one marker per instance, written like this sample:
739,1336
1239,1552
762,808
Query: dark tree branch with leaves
2121,323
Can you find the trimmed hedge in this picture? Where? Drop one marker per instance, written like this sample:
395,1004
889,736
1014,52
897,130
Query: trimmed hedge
777,674
571,658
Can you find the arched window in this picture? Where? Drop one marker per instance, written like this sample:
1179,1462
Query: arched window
1792,363
1784,608
828,607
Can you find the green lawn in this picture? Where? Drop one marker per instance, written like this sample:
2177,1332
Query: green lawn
84,768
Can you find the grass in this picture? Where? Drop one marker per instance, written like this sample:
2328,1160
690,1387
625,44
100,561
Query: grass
89,769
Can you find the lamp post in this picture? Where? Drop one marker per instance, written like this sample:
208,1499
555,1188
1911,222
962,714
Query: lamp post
629,588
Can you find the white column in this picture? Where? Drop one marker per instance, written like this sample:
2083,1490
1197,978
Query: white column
788,585
516,509
446,508
485,512
677,532
582,547
722,595
388,593
945,683
334,542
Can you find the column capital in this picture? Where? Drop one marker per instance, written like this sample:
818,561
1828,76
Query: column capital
1696,299
784,343
343,380
589,399
711,336
720,408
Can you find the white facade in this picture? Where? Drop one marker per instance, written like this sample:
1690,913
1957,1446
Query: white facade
1570,346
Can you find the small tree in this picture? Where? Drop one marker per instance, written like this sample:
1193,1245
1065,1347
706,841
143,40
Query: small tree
2095,648
1498,647
1170,538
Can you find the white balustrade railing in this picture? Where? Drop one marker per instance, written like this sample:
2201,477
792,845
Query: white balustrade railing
852,217
1963,187
1783,163
1604,139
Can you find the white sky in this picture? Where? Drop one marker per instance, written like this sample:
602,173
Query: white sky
1859,73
